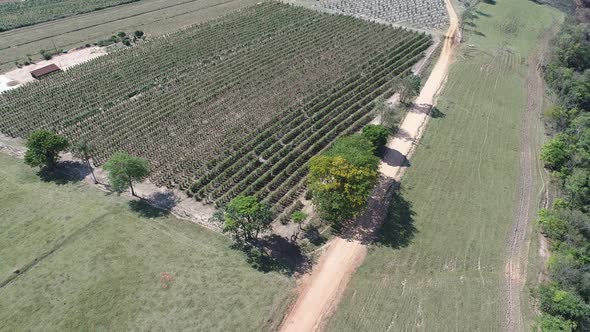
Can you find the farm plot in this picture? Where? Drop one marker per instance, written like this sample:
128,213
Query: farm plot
422,14
23,13
236,105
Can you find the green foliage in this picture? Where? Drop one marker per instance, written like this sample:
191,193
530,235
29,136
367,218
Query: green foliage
550,323
245,218
565,301
551,225
559,302
138,33
555,152
342,178
356,149
340,188
123,169
298,217
377,135
409,87
43,148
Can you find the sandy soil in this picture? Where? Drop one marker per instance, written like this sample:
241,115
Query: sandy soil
321,290
16,77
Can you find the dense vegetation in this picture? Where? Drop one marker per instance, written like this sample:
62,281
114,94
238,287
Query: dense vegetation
23,13
342,178
565,299
235,106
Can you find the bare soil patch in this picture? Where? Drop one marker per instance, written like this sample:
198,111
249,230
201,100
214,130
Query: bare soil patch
16,77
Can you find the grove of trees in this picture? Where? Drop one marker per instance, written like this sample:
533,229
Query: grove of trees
565,299
341,179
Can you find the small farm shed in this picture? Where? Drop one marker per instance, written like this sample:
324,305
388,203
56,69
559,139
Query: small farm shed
40,72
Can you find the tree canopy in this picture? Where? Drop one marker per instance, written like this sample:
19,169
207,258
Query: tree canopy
377,135
245,218
43,148
342,178
123,169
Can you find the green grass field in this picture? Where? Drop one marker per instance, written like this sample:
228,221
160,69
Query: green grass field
100,263
155,17
441,264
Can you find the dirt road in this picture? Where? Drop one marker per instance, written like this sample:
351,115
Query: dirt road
321,290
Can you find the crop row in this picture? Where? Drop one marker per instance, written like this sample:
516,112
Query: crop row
273,167
423,14
235,105
23,13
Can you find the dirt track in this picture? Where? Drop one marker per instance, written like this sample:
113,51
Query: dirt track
515,269
321,290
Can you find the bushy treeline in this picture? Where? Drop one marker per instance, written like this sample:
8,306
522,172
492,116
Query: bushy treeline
565,298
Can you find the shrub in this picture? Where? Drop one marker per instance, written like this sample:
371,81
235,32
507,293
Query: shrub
377,135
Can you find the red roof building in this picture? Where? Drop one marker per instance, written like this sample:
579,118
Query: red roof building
40,72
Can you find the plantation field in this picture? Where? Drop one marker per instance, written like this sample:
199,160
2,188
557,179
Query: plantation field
154,17
440,262
234,106
419,14
98,262
22,13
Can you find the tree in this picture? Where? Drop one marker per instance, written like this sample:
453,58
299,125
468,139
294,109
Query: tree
84,150
409,87
138,34
556,301
123,169
245,217
549,323
555,152
377,135
43,148
340,189
355,149
298,217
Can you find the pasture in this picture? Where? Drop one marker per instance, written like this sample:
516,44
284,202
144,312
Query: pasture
88,260
237,105
154,17
439,264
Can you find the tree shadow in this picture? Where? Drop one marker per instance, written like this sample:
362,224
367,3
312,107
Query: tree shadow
165,200
394,158
64,172
313,235
436,113
480,13
398,229
489,2
475,32
470,24
145,210
274,253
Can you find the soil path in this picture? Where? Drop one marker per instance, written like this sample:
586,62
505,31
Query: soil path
528,200
321,290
